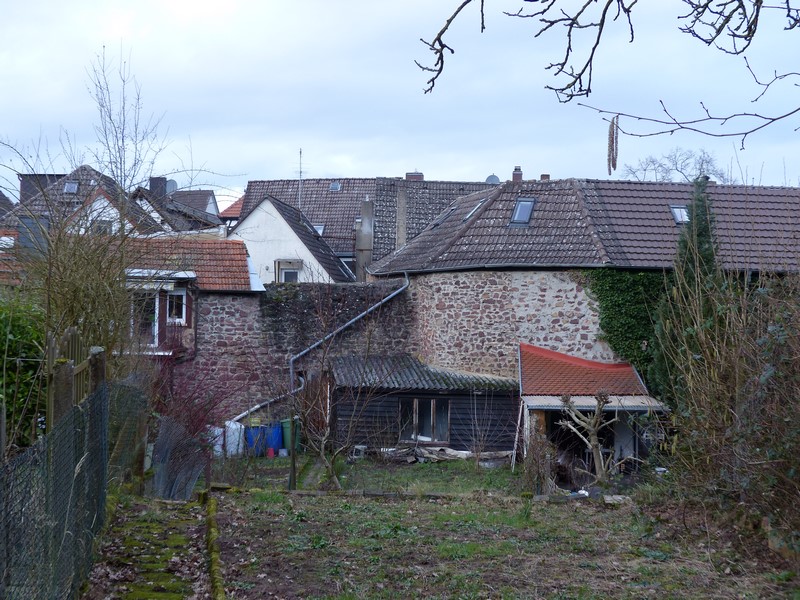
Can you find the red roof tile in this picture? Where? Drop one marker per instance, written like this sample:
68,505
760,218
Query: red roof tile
233,211
220,265
548,373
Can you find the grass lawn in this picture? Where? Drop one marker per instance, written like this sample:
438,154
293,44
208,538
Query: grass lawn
484,542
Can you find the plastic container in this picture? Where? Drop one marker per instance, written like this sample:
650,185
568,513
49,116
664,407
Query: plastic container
256,439
274,436
286,425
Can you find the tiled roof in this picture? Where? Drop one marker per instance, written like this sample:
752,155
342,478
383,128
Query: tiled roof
548,373
233,211
5,204
404,372
321,201
336,204
423,201
582,223
304,230
220,265
58,203
176,215
196,199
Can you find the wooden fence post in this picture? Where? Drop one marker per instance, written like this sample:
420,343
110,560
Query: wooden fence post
97,368
60,399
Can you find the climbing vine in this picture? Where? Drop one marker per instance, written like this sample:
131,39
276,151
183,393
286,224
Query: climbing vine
627,302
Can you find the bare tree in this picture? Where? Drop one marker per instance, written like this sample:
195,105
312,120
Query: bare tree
729,26
678,163
588,427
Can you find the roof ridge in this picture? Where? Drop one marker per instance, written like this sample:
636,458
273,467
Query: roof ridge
580,195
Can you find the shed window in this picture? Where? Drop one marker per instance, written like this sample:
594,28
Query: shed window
523,211
424,419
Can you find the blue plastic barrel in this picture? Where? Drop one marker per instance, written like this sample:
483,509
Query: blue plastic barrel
256,440
274,436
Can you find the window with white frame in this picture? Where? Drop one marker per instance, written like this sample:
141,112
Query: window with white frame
424,419
176,307
288,271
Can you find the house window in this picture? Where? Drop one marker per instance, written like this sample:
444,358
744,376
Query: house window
424,419
523,211
101,227
680,212
288,270
290,275
350,263
144,318
176,307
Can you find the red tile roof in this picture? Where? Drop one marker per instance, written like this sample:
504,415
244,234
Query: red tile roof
220,265
233,211
548,373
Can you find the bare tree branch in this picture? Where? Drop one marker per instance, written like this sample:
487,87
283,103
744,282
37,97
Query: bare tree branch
728,25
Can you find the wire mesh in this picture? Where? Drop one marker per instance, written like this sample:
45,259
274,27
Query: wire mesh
52,505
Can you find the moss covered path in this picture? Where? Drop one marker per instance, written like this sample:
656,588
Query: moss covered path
152,550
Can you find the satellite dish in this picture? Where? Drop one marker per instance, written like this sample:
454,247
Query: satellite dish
172,186
493,179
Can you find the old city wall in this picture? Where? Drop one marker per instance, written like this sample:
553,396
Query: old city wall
473,321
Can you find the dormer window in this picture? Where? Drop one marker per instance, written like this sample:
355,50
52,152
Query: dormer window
523,211
335,186
680,212
71,187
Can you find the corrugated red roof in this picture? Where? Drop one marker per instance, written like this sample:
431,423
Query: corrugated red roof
548,373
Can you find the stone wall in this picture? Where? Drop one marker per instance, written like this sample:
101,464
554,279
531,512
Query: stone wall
473,321
244,341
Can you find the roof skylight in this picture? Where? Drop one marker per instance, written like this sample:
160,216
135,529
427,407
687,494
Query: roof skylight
71,187
523,211
319,229
335,186
680,212
474,210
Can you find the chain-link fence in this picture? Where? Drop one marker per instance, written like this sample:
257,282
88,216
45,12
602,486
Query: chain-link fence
53,496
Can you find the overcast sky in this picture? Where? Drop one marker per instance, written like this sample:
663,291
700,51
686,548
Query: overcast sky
242,86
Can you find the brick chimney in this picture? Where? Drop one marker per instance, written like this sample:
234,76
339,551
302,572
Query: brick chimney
517,174
545,176
415,176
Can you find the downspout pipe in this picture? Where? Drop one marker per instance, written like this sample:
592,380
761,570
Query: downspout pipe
317,344
333,334
521,403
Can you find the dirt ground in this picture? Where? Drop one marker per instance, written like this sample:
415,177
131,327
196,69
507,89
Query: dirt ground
415,542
